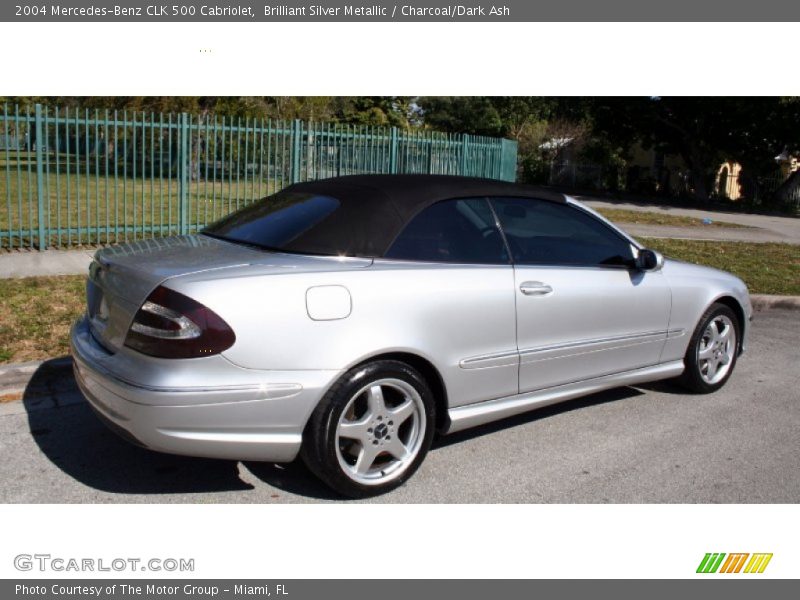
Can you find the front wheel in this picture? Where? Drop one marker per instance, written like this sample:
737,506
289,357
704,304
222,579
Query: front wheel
372,430
712,352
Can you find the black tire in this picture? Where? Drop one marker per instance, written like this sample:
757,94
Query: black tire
321,451
692,377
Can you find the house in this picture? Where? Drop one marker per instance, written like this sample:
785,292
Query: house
652,171
728,183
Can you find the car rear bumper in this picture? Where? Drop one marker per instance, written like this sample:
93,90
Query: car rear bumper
255,415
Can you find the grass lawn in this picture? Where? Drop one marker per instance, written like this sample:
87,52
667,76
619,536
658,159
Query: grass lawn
618,215
765,268
98,203
37,312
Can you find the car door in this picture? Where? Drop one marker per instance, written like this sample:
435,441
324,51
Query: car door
583,309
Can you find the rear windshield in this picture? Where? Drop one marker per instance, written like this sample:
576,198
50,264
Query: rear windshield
277,222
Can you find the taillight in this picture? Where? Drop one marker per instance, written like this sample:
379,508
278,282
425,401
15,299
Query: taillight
171,325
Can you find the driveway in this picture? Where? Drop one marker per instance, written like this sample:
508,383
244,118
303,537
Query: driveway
645,444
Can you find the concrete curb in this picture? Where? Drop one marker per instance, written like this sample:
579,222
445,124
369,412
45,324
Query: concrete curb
14,378
22,372
767,301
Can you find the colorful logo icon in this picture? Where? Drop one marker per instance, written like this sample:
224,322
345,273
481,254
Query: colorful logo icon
734,563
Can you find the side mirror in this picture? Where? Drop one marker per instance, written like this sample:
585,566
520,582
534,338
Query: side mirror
649,260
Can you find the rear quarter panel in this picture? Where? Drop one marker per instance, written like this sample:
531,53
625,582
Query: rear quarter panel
443,313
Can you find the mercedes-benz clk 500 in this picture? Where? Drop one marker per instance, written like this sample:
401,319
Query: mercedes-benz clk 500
348,320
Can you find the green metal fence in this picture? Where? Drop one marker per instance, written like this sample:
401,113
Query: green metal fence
75,176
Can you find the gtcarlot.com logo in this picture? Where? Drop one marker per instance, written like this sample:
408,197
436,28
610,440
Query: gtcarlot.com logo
47,562
734,563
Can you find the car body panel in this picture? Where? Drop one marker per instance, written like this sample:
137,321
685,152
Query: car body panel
396,307
694,289
617,322
301,321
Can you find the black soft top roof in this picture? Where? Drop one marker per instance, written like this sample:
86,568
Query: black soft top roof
375,208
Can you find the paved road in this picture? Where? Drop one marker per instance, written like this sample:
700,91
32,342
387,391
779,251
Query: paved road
726,234
649,444
767,228
26,263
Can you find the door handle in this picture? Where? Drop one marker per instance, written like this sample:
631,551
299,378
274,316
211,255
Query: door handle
535,288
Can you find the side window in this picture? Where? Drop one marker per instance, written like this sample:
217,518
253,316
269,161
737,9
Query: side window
452,231
547,233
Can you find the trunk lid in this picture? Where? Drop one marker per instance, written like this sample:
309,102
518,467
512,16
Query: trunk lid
121,277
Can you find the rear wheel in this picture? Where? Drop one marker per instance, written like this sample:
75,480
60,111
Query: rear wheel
372,429
712,352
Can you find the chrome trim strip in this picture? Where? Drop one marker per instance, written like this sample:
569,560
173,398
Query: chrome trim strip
592,342
675,333
511,357
499,359
472,415
249,437
267,391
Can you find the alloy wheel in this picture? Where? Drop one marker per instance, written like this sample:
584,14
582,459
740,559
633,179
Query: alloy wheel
717,349
380,431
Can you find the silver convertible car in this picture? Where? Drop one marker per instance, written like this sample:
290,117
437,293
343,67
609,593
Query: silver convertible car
348,320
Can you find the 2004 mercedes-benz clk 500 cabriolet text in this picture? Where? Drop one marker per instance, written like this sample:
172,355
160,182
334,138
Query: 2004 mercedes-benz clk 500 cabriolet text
348,320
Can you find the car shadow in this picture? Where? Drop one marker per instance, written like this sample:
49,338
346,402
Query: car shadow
69,434
545,412
664,387
293,478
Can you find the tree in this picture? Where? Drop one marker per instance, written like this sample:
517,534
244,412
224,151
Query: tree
387,111
703,131
497,116
366,110
462,114
521,118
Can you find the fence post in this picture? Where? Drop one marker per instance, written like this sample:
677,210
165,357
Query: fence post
183,171
297,149
464,151
40,176
393,151
508,160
